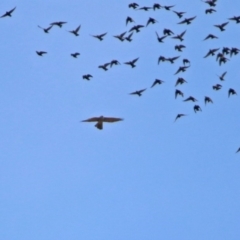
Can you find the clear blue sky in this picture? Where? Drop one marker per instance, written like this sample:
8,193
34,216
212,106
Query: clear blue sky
143,178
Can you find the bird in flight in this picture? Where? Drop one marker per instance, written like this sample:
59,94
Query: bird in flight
181,69
217,87
180,36
238,150
160,39
104,66
221,26
75,55
8,13
211,52
190,99
236,19
120,36
167,32
100,120
156,6
151,20
145,8
187,20
168,8
133,5
139,92
129,20
100,36
179,116
132,63
171,60
231,91
46,30
136,28
221,77
179,47
157,81
197,108
128,38
180,81
207,100
209,36
179,14
59,24
178,92
40,53
75,31
87,76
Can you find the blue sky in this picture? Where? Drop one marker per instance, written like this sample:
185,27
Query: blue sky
142,178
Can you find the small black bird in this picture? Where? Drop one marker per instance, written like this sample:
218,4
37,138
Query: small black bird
207,100
210,36
221,26
187,20
231,91
167,32
136,28
75,32
197,108
211,52
156,6
222,59
190,99
180,36
217,87
180,81
128,38
40,53
179,115
210,10
100,36
221,77
181,69
179,47
211,3
160,39
59,24
157,81
46,30
133,5
139,92
87,76
132,63
168,8
8,13
161,59
151,20
186,61
171,60
120,36
145,8
75,55
104,66
236,19
129,20
114,62
178,92
179,14
234,51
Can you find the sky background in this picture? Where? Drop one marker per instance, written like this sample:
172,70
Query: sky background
143,178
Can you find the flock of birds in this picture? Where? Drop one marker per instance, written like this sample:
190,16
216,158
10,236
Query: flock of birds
222,55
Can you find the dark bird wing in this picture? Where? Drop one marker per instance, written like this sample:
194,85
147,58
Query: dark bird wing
93,119
111,119
8,13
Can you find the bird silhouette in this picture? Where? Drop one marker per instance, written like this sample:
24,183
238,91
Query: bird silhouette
234,51
180,36
210,36
186,61
161,59
168,8
136,28
180,80
178,92
179,47
40,53
104,66
157,81
207,100
87,76
120,36
139,92
75,31
231,91
160,39
211,3
114,62
190,99
59,24
46,30
236,19
210,10
181,69
179,14
100,36
221,26
179,116
133,5
211,52
217,87
129,20
152,21
132,63
156,6
171,60
187,20
75,55
8,13
100,120
145,8
128,38
221,77
197,108
167,32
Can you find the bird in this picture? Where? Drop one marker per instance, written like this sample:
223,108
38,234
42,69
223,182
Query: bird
8,13
40,53
179,116
100,120
180,81
190,99
234,51
186,61
104,66
221,26
221,77
139,92
114,62
207,100
151,20
59,24
211,3
145,8
100,36
181,69
75,31
210,36
133,5
120,36
178,92
222,59
128,38
180,36
157,81
161,59
167,32
46,30
156,6
236,19
217,87
197,108
226,50
187,20
210,10
136,28
179,14
75,55
87,76
168,8
171,60
238,150
129,20
179,47
231,91
211,52
160,39
132,63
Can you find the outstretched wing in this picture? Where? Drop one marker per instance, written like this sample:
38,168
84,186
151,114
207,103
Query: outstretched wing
93,119
111,119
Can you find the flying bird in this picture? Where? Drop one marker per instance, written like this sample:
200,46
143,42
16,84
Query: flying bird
156,6
181,69
180,81
238,150
209,36
100,120
133,5
168,8
161,59
186,61
120,36
132,63
128,38
136,28
75,55
129,20
8,13
100,36
180,36
179,14
87,76
179,47
211,52
190,99
211,3
187,20
207,100
221,77
75,31
217,87
160,39
157,81
210,10
114,62
236,19
234,51
139,92
46,30
178,92
171,60
145,8
221,26
59,24
40,53
104,66
231,91
151,20
179,116
167,32
197,108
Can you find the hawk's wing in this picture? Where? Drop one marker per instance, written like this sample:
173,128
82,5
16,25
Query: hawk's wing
111,119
